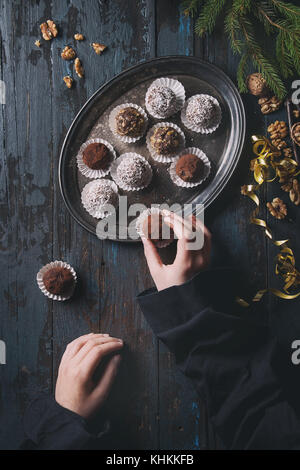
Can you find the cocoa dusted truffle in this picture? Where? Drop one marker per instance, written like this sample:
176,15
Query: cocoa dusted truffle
154,226
58,280
96,156
130,122
161,101
203,111
189,168
165,140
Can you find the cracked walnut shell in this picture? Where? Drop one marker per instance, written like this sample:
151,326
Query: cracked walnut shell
79,68
295,192
98,48
269,105
68,53
49,30
277,208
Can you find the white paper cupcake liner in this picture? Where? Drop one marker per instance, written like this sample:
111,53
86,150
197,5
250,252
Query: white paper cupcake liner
112,122
185,184
176,87
101,211
89,172
55,264
139,226
194,127
119,182
164,158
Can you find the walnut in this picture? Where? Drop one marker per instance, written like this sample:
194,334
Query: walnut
269,105
295,133
279,143
68,81
244,190
288,152
257,85
49,30
79,37
296,113
68,53
278,129
99,48
37,43
295,192
78,68
277,208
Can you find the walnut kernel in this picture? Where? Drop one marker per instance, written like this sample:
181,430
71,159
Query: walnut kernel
79,68
49,30
277,208
295,192
68,53
79,37
68,81
98,48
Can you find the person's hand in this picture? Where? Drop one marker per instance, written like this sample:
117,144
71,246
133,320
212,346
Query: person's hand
187,262
75,387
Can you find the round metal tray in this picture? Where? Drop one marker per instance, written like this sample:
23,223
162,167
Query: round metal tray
223,147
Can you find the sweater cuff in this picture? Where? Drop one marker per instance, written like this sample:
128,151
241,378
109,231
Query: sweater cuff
50,426
176,305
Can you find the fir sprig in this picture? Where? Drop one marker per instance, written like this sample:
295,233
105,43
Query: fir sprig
279,18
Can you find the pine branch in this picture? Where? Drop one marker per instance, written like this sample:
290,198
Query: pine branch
287,9
208,16
190,7
242,73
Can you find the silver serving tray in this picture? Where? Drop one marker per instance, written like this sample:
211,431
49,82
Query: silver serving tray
223,147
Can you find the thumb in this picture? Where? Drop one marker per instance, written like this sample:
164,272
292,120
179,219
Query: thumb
153,259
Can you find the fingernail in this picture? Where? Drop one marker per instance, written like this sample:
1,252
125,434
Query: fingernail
120,341
106,335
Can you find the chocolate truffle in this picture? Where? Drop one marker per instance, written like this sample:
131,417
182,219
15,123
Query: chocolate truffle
96,156
130,122
202,111
154,226
161,100
58,280
189,168
97,194
133,171
165,140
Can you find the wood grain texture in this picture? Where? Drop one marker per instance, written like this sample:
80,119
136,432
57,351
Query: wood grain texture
152,406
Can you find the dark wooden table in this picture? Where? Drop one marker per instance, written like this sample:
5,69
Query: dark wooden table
154,406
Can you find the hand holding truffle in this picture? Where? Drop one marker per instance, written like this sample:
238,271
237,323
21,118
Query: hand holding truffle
75,388
187,262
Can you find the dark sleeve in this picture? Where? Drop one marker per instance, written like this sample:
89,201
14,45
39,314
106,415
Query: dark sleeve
228,357
49,426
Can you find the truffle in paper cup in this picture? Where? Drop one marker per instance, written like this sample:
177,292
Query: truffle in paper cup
97,195
167,89
193,126
89,172
131,172
113,127
190,184
40,280
168,157
142,220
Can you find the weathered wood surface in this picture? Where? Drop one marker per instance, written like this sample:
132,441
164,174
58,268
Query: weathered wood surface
156,408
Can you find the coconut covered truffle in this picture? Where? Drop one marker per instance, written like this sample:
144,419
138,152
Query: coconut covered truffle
156,230
161,101
130,122
203,111
97,194
165,140
96,156
133,171
189,168
58,280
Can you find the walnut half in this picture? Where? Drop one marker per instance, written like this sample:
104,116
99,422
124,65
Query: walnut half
295,192
68,81
49,30
78,68
68,53
98,48
277,208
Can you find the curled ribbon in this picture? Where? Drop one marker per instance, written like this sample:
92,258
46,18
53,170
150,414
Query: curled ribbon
267,166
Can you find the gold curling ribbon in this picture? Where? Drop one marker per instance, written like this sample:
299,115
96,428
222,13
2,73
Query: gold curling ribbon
267,166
